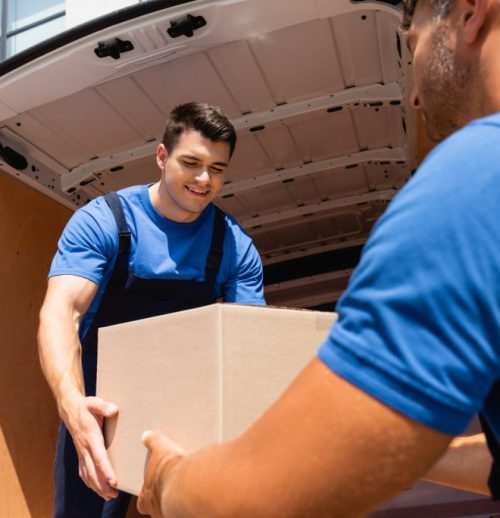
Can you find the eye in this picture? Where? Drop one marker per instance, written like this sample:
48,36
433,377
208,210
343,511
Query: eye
189,164
216,170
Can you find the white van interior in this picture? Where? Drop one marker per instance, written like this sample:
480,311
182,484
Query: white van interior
317,90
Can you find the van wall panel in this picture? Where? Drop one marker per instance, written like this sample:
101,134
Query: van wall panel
30,224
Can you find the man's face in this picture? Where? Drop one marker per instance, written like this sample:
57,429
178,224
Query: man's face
192,174
442,77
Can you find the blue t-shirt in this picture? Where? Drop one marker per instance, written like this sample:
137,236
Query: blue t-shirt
160,248
419,325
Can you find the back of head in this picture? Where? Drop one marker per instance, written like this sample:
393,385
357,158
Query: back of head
204,118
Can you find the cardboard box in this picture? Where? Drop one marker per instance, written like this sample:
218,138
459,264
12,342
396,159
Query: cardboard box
201,376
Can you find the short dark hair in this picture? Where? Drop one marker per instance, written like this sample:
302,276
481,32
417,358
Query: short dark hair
441,8
207,119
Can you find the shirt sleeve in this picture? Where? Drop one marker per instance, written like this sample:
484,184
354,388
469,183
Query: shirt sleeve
418,325
245,282
88,244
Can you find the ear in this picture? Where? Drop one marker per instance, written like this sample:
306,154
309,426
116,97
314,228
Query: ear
161,156
472,19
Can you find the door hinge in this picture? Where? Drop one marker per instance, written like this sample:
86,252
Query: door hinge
113,48
186,26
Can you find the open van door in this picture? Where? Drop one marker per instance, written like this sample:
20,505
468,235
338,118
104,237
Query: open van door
317,90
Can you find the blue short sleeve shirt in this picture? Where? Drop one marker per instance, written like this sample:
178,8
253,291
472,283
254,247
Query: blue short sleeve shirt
419,325
160,248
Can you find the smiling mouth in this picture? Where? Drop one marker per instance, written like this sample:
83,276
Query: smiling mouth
198,192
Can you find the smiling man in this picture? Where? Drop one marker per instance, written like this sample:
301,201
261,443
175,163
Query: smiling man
144,251
415,353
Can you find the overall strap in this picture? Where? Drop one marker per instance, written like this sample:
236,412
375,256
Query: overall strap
120,271
215,255
494,447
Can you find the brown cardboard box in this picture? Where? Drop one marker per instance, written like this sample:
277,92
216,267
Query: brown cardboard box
202,376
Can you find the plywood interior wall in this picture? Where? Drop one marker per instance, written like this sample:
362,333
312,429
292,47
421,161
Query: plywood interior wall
30,224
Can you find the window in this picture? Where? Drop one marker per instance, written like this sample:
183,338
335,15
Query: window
25,23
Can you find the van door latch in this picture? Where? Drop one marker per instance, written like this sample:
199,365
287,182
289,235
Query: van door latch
187,26
113,48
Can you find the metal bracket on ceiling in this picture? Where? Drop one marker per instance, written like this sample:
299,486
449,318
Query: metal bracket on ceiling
321,280
34,168
397,155
298,251
381,196
374,95
349,99
86,173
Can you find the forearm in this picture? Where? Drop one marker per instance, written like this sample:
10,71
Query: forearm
60,357
218,482
465,465
307,456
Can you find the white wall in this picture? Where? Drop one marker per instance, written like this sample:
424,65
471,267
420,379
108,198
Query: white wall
78,11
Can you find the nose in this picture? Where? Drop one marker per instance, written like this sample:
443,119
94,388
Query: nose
203,176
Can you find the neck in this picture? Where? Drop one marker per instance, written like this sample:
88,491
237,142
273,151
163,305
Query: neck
489,64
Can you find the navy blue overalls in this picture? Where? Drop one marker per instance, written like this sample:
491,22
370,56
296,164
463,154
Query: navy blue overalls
493,443
126,298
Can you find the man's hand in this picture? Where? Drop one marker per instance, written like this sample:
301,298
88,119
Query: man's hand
85,426
164,455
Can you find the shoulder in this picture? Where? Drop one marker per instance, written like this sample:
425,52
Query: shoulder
235,231
238,244
239,249
455,189
131,194
131,198
95,215
474,148
95,223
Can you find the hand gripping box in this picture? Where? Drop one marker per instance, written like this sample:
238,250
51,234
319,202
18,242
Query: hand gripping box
201,376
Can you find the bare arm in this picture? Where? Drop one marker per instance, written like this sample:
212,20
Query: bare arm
66,301
324,449
465,465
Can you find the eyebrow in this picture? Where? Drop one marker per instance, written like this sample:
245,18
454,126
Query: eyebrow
195,158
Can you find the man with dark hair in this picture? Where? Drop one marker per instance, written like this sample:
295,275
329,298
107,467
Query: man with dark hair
415,353
203,118
144,251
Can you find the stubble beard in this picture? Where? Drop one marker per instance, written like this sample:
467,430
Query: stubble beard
447,89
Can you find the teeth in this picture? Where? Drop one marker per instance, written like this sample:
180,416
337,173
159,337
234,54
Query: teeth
197,191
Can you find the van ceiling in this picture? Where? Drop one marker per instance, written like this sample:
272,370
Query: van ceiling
317,90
